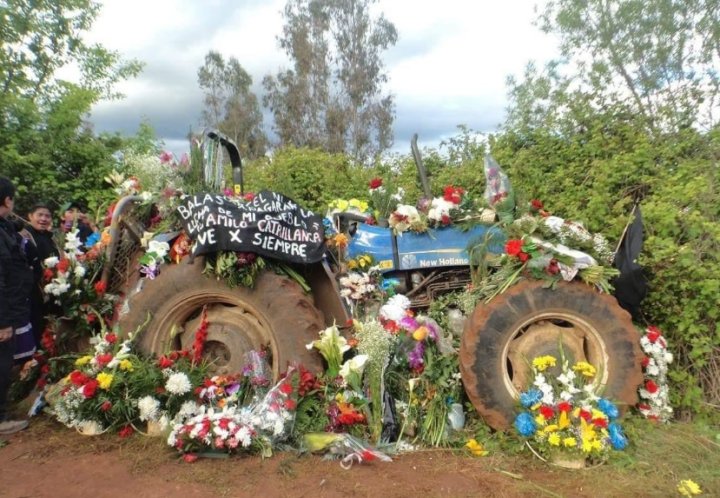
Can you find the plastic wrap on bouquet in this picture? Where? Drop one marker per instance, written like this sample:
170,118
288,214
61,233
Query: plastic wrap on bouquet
274,414
498,191
347,448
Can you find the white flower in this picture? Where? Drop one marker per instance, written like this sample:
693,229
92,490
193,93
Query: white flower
244,436
79,271
439,207
149,408
160,249
51,262
395,308
178,383
356,364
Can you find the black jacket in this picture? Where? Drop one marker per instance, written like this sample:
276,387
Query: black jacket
44,248
16,278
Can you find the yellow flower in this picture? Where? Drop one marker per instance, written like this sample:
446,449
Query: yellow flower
83,360
554,439
126,365
341,241
540,420
542,363
584,368
352,264
551,428
361,206
564,420
475,448
420,333
597,414
569,442
104,380
689,488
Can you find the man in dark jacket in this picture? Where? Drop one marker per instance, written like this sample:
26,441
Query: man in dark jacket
16,279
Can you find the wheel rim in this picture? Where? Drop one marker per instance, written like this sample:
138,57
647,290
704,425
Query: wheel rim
234,329
542,335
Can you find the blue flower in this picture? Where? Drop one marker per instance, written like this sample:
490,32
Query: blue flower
93,239
617,438
525,424
530,398
608,408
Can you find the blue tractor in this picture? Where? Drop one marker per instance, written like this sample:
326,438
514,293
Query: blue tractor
499,337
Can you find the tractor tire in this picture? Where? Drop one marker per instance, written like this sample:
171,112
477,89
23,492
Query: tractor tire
500,340
276,314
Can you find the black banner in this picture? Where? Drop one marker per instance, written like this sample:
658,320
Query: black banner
271,225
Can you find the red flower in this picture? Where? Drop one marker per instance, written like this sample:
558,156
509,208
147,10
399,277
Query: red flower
368,455
643,406
63,265
100,287
513,247
285,388
536,205
523,256
190,457
103,359
585,415
645,362
48,275
453,194
653,333
290,404
41,383
126,431
78,378
90,318
45,369
165,362
445,219
89,389
600,422
111,338
553,268
375,183
651,387
547,412
249,196
564,406
106,406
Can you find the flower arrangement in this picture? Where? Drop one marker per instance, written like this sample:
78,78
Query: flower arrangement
72,283
405,218
655,394
111,387
155,255
564,414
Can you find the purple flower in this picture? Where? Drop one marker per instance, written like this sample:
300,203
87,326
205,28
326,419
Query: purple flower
409,323
149,271
415,356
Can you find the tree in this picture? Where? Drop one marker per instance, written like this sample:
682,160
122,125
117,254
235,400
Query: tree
46,146
39,37
333,97
230,104
658,58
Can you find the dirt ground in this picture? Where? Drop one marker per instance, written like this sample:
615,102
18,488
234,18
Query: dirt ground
48,460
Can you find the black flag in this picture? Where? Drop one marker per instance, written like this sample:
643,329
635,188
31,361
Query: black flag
631,284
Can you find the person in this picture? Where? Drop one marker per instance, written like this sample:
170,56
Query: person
41,235
74,216
16,277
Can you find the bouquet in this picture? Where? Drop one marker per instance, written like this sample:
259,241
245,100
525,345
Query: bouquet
654,394
563,414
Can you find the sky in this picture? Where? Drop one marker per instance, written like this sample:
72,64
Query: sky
448,68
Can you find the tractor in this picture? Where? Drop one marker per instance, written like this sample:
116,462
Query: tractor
526,321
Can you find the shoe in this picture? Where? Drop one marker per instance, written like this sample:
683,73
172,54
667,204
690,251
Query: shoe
13,426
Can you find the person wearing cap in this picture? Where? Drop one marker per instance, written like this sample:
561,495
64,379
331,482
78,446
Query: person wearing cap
16,279
41,235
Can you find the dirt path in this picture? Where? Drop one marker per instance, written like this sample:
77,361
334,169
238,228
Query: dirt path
49,460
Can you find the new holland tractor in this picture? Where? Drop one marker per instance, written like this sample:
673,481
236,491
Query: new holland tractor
526,321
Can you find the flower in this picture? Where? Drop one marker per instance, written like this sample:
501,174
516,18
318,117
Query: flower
149,408
104,380
476,449
525,424
375,183
530,398
83,360
178,383
617,438
608,408
688,487
126,365
584,368
100,287
88,390
542,363
126,431
513,247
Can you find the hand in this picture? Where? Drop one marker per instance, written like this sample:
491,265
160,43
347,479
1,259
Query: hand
6,334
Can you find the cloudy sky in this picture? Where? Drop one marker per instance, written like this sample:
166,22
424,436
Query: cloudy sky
448,67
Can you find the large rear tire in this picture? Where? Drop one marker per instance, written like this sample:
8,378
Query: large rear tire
501,339
275,314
